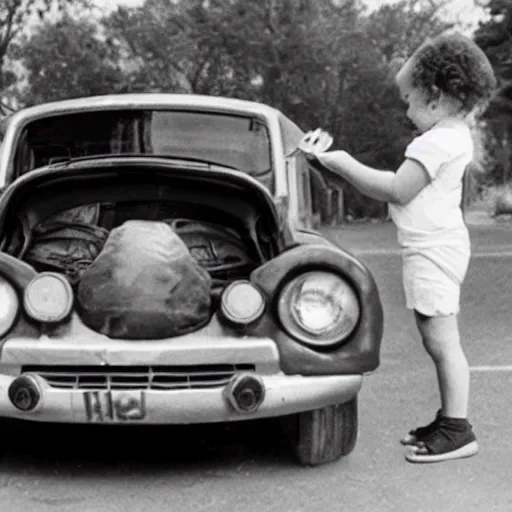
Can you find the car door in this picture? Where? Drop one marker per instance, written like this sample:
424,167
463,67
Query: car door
299,186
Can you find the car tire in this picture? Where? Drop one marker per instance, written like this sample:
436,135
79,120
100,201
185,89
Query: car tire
323,435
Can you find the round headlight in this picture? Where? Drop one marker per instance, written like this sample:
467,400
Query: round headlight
48,297
319,308
9,305
242,303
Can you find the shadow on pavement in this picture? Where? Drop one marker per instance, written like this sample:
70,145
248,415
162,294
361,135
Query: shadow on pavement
114,448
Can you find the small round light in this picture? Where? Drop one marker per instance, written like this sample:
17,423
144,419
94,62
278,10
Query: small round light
9,305
318,308
245,392
242,303
48,297
25,393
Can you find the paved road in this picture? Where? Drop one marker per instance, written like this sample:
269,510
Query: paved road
244,468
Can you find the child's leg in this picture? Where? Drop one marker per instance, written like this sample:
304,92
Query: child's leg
441,339
452,435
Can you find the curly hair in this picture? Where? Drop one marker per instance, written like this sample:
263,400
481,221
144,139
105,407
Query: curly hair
456,65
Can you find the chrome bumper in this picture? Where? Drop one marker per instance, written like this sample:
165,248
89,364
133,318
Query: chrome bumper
283,395
83,403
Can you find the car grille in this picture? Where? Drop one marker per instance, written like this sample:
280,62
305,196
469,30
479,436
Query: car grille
138,377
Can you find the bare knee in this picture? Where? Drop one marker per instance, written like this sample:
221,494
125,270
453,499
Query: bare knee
440,336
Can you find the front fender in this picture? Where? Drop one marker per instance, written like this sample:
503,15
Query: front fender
361,351
17,271
310,237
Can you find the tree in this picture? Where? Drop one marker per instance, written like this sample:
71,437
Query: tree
69,58
156,46
14,17
324,63
495,37
398,29
497,138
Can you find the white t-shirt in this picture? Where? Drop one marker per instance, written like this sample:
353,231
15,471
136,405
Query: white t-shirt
434,216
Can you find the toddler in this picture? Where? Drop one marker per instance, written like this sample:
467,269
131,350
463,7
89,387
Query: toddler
441,83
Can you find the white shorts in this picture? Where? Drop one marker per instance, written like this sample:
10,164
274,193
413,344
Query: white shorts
432,279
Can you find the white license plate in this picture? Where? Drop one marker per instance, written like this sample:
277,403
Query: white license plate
114,406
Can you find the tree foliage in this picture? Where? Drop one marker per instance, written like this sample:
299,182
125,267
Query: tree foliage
69,58
398,29
324,63
494,36
15,15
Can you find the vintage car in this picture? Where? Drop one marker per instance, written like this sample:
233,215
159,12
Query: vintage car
292,325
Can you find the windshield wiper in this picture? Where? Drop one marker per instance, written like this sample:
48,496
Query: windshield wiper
65,161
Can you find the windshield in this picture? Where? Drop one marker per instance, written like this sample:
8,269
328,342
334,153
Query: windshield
234,141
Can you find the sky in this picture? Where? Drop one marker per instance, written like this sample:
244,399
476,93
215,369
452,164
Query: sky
465,10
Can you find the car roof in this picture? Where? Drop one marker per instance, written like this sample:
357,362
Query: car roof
145,100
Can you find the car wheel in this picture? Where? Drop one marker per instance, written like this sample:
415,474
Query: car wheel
323,435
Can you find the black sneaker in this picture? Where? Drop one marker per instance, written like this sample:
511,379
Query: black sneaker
452,438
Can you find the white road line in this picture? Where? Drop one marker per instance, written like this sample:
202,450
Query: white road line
398,252
491,368
492,254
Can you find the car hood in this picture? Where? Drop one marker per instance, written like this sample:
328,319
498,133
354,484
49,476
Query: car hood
94,180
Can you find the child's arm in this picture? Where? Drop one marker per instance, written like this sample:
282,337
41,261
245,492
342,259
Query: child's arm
399,187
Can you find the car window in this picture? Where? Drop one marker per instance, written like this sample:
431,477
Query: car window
240,142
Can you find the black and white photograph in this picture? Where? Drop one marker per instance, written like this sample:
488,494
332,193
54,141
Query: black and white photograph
255,255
